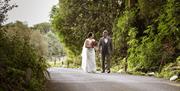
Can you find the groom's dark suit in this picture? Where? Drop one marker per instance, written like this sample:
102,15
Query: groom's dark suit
105,46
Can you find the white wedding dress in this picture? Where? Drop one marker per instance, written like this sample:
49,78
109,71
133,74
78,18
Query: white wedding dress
88,60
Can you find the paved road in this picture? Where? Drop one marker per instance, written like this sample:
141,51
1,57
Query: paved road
75,80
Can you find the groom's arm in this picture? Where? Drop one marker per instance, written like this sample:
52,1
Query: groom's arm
111,46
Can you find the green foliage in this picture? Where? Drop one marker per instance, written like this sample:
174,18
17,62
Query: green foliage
171,69
149,8
43,31
54,46
148,45
120,35
17,55
5,7
143,55
124,37
44,27
168,30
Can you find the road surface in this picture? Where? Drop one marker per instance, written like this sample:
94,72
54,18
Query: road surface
63,79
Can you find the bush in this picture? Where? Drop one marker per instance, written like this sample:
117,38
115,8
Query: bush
149,39
20,61
171,69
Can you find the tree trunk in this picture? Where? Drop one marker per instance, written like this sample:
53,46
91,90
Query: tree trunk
131,3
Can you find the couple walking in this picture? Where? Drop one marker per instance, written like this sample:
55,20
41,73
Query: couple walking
88,53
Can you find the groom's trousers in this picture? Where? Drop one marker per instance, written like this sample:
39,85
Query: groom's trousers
105,62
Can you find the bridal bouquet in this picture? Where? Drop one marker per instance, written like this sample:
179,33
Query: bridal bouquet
94,43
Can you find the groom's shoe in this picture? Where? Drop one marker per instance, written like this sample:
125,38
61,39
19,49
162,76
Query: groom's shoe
102,71
108,71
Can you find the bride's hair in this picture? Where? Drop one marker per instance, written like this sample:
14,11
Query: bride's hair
90,34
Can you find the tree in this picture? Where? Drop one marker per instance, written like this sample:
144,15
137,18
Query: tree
73,19
55,48
149,34
22,60
4,8
44,27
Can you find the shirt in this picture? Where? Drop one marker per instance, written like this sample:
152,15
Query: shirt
105,40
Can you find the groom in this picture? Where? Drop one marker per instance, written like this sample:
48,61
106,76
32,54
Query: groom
105,47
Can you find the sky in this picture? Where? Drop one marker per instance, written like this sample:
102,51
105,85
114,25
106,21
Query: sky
31,11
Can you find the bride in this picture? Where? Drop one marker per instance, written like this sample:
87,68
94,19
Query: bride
88,54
